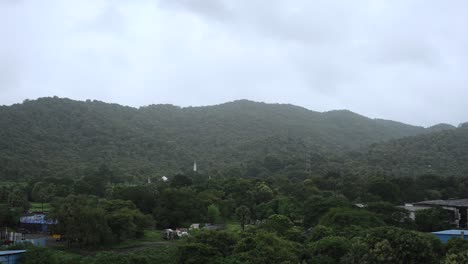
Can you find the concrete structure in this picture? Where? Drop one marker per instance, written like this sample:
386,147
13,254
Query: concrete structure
11,256
446,235
413,209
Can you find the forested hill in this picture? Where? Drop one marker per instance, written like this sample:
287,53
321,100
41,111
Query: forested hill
443,153
53,136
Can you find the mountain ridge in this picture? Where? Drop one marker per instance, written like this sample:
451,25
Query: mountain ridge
45,136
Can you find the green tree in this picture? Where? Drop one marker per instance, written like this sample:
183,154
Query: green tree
243,214
266,248
456,257
389,245
43,192
319,231
223,241
178,207
391,214
387,191
9,217
213,214
343,218
278,224
433,219
328,250
456,245
197,253
316,206
81,219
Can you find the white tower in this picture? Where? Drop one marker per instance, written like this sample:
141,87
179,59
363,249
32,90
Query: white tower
195,166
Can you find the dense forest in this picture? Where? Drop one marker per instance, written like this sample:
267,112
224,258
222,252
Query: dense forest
286,184
63,138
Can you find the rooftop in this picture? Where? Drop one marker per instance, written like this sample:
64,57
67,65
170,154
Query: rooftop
448,203
11,252
450,232
36,219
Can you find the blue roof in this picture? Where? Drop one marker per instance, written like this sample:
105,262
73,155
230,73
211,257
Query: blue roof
451,232
11,252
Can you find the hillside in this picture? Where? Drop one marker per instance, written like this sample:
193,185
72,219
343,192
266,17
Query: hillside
63,137
444,153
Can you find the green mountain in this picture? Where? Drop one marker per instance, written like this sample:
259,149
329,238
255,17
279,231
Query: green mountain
63,137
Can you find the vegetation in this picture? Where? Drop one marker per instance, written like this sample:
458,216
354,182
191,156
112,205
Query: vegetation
290,185
63,138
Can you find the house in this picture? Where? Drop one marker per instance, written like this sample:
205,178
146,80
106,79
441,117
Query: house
446,235
11,256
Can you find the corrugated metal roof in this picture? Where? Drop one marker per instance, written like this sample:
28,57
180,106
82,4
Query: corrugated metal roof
448,203
11,252
450,232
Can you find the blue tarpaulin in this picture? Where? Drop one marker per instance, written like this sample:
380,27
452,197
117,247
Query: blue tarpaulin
37,219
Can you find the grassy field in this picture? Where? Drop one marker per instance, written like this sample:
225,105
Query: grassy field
150,240
38,207
233,226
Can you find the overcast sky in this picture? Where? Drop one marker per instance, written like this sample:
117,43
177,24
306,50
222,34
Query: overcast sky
403,60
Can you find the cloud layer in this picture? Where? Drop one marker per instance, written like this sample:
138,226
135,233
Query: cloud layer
404,60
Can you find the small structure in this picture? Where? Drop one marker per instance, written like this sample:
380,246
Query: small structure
412,209
169,234
11,256
194,226
36,223
446,235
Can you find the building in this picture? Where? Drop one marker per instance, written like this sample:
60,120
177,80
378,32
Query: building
412,209
446,235
36,223
11,256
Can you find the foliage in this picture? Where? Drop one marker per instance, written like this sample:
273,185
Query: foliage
433,219
62,137
342,218
243,214
394,245
213,214
92,222
391,214
319,231
456,257
316,206
264,248
222,241
279,224
178,207
328,250
456,245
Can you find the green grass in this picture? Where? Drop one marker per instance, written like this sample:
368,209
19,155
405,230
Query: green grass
153,236
233,226
38,207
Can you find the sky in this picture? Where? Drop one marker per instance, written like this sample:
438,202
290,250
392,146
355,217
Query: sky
404,60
